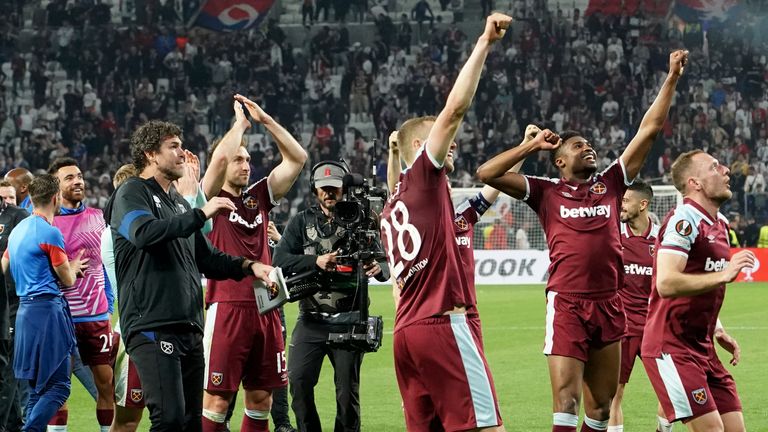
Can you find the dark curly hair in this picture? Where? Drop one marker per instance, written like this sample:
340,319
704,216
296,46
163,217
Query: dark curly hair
42,189
60,163
565,136
147,138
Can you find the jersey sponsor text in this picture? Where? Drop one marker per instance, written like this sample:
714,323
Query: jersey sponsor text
581,212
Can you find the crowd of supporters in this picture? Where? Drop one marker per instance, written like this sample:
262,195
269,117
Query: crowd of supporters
76,81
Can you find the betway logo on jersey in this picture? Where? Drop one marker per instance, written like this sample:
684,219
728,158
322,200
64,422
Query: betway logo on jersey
234,217
582,212
463,241
636,269
715,266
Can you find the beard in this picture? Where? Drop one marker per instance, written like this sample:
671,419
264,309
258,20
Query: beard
173,173
72,197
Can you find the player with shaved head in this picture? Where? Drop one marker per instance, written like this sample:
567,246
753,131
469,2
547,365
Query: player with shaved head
693,264
441,370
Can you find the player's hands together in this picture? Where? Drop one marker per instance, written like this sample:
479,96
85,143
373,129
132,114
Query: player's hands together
217,204
372,269
327,262
187,184
261,271
740,260
253,108
79,264
530,132
496,26
677,61
240,119
729,344
393,142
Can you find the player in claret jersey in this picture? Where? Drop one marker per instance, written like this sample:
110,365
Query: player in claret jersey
691,269
580,215
441,370
468,213
242,345
638,237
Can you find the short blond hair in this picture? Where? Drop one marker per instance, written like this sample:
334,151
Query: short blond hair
123,173
681,169
410,130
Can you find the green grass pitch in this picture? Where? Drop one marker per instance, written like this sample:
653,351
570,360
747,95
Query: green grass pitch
513,330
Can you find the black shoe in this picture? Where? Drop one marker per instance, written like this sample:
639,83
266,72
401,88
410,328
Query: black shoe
285,428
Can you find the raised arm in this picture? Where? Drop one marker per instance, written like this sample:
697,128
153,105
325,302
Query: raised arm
496,172
394,166
444,130
284,175
216,174
672,281
490,193
653,121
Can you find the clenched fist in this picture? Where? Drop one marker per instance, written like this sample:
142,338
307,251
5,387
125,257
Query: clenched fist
677,61
496,26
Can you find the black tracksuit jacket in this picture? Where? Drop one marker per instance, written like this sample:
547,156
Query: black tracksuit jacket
159,255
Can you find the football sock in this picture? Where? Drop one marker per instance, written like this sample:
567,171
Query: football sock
213,421
617,428
592,425
104,416
58,422
564,422
255,421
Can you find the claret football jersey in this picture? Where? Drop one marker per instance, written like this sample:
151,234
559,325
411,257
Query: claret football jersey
241,232
685,324
635,292
417,230
581,223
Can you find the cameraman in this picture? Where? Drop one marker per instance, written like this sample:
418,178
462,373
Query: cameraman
311,242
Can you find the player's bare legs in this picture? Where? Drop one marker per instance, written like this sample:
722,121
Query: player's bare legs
102,377
709,422
617,415
257,404
565,375
662,425
601,378
126,419
490,429
216,404
733,422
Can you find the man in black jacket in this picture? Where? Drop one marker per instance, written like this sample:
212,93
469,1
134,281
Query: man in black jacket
159,255
311,241
10,411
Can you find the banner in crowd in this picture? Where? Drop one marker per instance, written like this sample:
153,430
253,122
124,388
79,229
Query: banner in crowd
759,273
232,15
657,8
705,11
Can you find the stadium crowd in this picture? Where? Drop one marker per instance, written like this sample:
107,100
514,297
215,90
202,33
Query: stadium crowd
77,83
82,93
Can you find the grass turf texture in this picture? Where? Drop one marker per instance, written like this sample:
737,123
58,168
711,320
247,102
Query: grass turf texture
513,331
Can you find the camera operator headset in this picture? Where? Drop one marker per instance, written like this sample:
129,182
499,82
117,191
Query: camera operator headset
310,241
